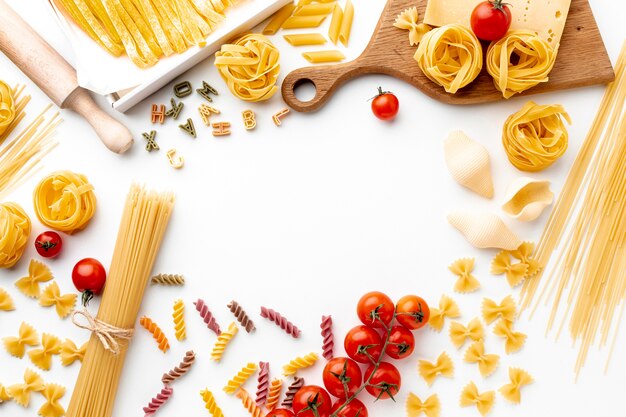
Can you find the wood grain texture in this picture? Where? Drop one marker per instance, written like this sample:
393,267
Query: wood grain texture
582,61
46,68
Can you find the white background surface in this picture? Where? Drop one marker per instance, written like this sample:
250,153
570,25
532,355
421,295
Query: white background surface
305,218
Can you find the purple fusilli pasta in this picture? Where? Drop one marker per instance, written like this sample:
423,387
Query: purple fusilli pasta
263,383
207,316
327,334
291,392
280,321
157,402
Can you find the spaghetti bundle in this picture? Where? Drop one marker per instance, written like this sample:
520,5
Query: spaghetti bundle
589,224
145,218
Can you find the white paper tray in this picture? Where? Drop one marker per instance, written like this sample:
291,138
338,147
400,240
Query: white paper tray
125,84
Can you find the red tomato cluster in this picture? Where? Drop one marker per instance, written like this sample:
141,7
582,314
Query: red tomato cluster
386,330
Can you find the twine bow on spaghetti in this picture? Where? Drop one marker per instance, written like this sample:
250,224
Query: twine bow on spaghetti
107,333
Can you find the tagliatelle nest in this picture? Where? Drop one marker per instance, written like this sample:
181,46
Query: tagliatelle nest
250,67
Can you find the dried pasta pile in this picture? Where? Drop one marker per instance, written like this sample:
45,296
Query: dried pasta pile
589,225
143,29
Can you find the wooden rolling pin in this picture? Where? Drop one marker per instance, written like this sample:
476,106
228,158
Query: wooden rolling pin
46,68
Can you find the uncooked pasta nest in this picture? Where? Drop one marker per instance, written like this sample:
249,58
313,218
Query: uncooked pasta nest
535,137
250,67
65,201
7,108
450,56
519,61
14,233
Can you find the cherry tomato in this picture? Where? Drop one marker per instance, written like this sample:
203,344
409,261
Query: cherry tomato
385,381
401,343
310,398
412,312
491,20
279,412
363,344
339,371
89,277
355,408
375,309
49,244
385,105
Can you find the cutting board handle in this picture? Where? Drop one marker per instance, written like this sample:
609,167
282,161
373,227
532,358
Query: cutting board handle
325,79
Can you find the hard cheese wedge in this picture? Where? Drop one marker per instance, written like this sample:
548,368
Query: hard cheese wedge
545,17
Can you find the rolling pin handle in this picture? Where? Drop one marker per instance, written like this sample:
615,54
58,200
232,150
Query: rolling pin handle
114,135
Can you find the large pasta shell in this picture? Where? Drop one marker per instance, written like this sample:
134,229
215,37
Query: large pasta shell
485,230
468,163
526,198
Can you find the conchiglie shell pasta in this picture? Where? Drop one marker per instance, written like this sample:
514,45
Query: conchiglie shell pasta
468,163
526,198
485,230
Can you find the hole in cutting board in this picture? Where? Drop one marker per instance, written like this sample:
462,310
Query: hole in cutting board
304,90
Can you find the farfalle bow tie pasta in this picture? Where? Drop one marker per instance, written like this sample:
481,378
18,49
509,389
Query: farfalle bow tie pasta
430,371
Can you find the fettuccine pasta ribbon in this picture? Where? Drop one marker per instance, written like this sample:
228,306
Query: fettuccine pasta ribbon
65,201
7,107
250,67
106,333
519,61
14,232
450,56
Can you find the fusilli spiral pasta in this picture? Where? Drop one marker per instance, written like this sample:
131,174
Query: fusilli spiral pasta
65,201
168,279
300,362
250,67
52,408
210,404
42,357
6,302
180,370
327,335
223,340
263,383
70,353
248,403
242,376
534,61
291,392
14,232
157,333
179,320
242,316
450,56
274,394
20,393
207,316
280,321
16,346
157,402
63,304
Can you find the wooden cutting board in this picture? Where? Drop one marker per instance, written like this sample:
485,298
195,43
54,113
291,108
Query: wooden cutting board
582,61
